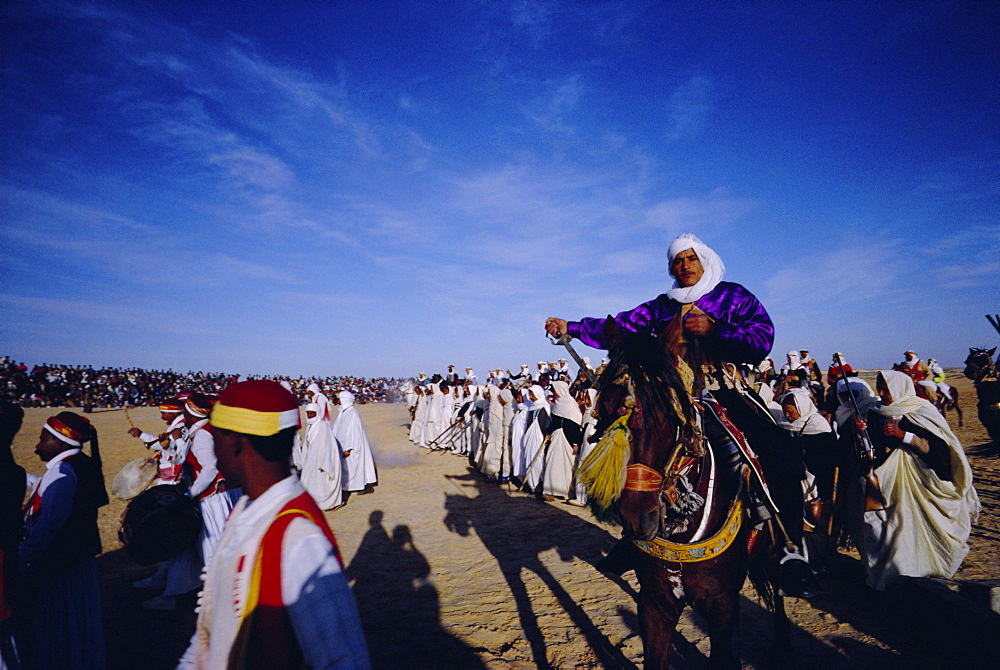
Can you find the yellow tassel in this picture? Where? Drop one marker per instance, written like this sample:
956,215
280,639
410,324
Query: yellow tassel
603,471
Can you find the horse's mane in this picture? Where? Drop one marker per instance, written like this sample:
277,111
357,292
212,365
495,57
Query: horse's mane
656,379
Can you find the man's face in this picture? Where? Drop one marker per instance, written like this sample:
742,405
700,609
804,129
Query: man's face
49,446
686,268
225,454
789,409
910,356
883,392
310,414
168,417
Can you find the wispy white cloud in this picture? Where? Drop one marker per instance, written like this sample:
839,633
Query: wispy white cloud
533,16
689,106
550,113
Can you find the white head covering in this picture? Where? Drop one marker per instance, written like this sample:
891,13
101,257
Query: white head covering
920,412
320,398
565,406
714,268
346,399
313,407
540,399
862,392
794,362
810,422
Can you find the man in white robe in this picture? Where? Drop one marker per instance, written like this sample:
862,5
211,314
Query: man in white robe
492,452
566,431
436,422
927,484
534,437
419,421
322,472
358,464
517,428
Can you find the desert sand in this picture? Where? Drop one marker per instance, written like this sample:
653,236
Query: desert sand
451,571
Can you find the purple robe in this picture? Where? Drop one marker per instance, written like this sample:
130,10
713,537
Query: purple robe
743,331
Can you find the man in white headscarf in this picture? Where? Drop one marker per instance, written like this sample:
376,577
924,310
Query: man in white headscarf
927,484
491,454
818,443
917,370
359,466
534,437
586,446
522,377
507,400
567,433
322,472
438,414
419,421
730,326
318,398
517,428
938,377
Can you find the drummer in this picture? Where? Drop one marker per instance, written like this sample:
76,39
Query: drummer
181,574
302,609
171,446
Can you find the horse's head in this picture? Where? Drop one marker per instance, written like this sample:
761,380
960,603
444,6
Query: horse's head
641,380
979,363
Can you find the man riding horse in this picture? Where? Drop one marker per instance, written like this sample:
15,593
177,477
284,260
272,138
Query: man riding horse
725,326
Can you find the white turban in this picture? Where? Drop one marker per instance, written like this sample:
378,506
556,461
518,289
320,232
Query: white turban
714,268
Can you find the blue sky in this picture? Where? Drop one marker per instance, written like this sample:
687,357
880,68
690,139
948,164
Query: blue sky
381,188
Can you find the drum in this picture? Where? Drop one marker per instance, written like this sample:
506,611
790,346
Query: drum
134,478
159,523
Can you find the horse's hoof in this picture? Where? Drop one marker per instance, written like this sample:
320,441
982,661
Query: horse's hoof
797,579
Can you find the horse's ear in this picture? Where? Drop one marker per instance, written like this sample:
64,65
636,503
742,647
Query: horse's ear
611,332
992,351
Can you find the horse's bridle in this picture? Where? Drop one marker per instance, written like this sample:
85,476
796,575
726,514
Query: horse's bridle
642,478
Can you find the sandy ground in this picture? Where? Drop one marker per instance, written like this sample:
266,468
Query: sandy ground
451,571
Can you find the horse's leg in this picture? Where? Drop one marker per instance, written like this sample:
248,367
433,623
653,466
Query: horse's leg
658,612
781,627
958,408
723,614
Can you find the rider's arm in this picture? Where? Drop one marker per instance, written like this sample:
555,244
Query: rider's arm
590,330
743,332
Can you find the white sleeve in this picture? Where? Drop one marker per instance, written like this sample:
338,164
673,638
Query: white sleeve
320,603
203,448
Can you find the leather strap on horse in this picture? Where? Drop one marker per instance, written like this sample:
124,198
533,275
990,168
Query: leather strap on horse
639,477
698,551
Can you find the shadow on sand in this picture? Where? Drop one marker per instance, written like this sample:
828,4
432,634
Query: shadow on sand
398,603
542,527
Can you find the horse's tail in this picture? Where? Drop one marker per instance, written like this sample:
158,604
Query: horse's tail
763,567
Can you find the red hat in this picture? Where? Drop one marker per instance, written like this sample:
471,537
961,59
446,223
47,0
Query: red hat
172,405
256,407
71,428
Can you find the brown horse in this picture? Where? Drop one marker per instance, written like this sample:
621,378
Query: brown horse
683,504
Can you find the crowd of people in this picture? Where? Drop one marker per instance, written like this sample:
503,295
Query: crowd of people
532,428
270,574
882,460
51,385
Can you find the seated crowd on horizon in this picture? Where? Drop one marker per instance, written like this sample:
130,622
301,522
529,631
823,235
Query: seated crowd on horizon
61,385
